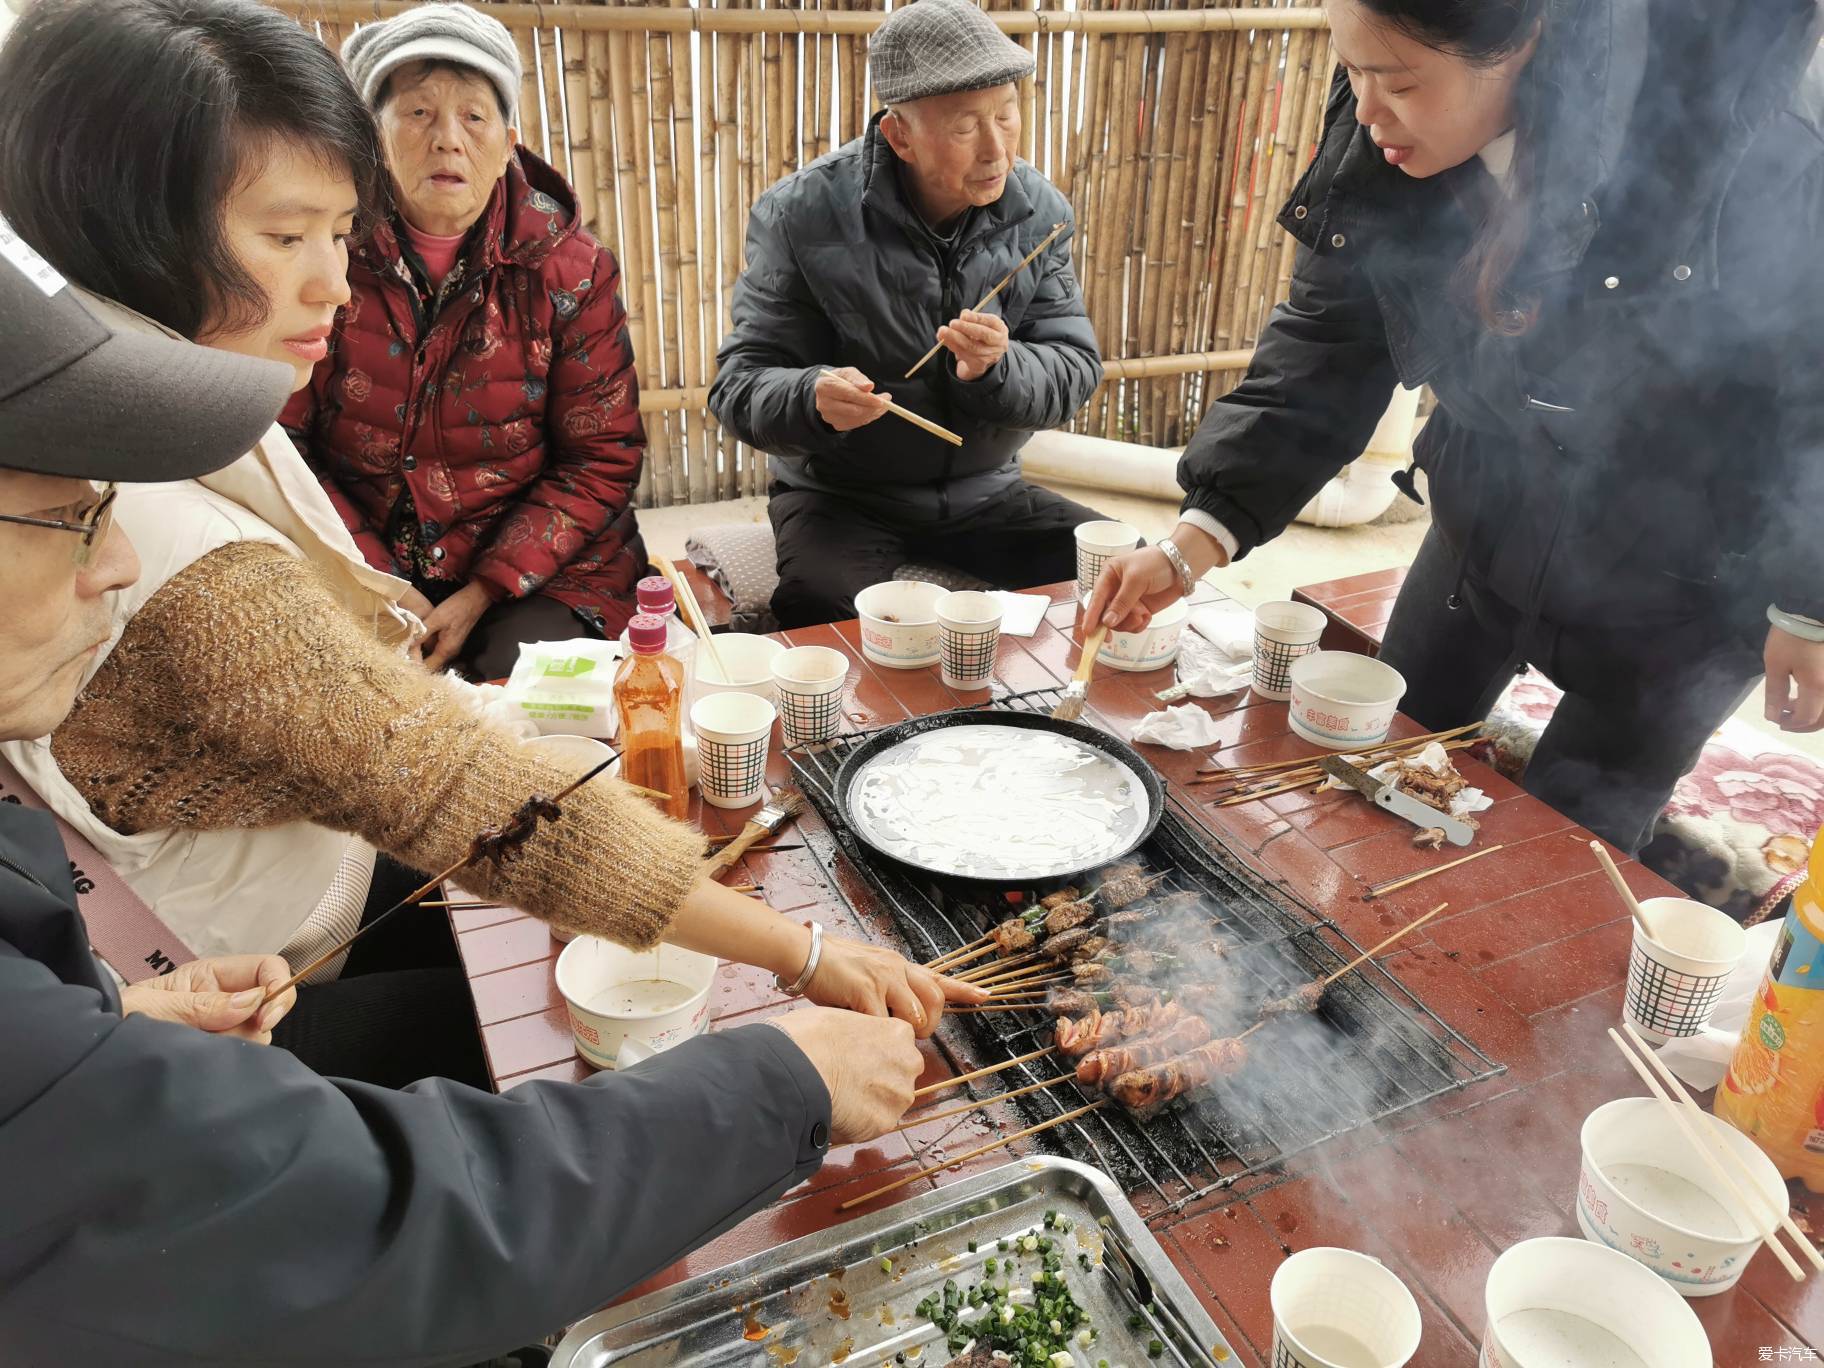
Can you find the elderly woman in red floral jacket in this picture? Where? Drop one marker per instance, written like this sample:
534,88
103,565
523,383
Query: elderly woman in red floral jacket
476,420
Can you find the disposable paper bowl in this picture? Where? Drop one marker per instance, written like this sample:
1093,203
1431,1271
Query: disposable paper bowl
749,660
1546,1295
1151,649
617,1039
1343,700
1643,1191
899,623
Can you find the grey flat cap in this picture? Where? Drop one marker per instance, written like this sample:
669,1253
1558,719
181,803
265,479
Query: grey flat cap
441,32
940,47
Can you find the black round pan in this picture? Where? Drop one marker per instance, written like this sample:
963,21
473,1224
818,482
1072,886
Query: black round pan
1092,737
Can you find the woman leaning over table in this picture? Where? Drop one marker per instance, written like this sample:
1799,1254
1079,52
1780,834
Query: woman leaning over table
1597,232
254,731
476,421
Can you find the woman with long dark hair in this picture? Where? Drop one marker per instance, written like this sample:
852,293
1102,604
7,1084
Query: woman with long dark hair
253,732
1594,230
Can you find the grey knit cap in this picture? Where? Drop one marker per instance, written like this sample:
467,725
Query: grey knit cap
940,47
435,32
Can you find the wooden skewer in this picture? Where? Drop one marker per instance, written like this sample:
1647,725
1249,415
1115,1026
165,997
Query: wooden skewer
1307,762
998,1005
917,420
460,904
693,613
963,953
1677,1087
1009,977
1297,779
1008,969
1013,989
986,1101
1638,912
1367,955
988,298
1394,885
979,1073
412,899
1753,1210
980,1149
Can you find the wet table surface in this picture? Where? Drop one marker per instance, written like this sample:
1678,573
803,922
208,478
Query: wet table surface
1528,963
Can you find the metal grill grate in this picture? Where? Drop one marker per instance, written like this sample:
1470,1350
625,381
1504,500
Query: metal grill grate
1383,1051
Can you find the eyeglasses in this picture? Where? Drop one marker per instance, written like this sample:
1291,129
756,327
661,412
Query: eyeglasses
91,524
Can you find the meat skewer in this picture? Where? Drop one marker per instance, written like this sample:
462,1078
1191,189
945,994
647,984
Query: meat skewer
1079,1036
1159,1083
1184,1034
1307,997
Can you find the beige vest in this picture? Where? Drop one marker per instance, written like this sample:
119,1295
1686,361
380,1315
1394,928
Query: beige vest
245,890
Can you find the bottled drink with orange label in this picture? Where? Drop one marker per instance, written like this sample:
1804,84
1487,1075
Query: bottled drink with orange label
1774,1091
649,696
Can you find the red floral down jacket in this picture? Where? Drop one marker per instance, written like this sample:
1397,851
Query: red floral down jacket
506,408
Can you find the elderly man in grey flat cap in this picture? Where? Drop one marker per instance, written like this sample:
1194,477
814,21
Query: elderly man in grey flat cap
858,264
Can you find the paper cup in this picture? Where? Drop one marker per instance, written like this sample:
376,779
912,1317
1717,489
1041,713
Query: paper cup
899,623
1558,1301
809,680
1343,700
969,635
749,661
627,1005
733,731
1644,1191
1335,1308
1283,633
1097,544
1675,978
1152,648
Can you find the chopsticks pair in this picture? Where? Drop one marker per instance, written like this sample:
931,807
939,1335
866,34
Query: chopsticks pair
1763,1216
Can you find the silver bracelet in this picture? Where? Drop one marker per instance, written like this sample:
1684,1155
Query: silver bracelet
1804,628
815,958
1186,580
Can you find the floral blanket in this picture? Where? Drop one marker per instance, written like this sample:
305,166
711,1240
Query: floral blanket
1739,827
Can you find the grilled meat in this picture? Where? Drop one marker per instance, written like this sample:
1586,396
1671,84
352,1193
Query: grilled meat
1184,1033
1303,999
1067,943
1059,898
1098,1029
1013,936
1092,974
1157,1083
1066,915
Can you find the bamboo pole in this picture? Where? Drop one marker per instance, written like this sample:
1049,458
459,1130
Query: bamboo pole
790,148
1213,160
551,74
658,436
1057,165
635,227
1122,221
752,148
729,49
531,117
589,18
579,123
597,69
1150,314
689,281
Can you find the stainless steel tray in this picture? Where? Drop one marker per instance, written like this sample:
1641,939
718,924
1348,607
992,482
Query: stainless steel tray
799,1293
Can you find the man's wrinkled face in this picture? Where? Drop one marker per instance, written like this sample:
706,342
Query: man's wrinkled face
53,618
959,149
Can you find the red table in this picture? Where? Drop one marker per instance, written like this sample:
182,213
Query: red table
1528,964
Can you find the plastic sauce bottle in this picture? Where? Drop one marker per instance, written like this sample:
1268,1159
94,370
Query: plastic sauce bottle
655,597
1774,1090
649,699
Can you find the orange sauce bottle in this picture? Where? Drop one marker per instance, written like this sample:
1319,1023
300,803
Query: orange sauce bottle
649,698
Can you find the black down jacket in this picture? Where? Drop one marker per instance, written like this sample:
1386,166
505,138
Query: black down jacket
841,271
1653,447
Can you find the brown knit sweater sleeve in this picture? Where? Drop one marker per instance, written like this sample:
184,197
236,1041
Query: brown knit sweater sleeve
243,695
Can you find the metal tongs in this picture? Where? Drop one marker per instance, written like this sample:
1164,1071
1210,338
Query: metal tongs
1132,1280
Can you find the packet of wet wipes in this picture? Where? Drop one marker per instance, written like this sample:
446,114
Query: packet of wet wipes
566,686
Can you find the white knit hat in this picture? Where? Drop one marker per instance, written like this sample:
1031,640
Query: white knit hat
435,32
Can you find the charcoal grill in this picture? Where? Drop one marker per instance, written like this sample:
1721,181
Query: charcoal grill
1383,1050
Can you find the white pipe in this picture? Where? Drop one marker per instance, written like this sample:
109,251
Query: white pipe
1361,493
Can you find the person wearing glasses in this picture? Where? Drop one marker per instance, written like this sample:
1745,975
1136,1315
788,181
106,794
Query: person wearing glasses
176,1196
252,731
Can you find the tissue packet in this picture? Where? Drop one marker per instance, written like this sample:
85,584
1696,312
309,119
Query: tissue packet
566,686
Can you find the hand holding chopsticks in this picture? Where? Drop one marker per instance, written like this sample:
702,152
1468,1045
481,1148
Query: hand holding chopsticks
1700,1133
988,298
916,420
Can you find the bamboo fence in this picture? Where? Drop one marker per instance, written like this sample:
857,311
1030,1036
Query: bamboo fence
1176,131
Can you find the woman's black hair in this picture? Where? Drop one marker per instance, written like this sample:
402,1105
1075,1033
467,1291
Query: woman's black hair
126,125
1485,33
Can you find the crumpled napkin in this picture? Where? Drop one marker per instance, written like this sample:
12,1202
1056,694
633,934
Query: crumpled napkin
1021,614
1185,727
1206,670
1228,627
